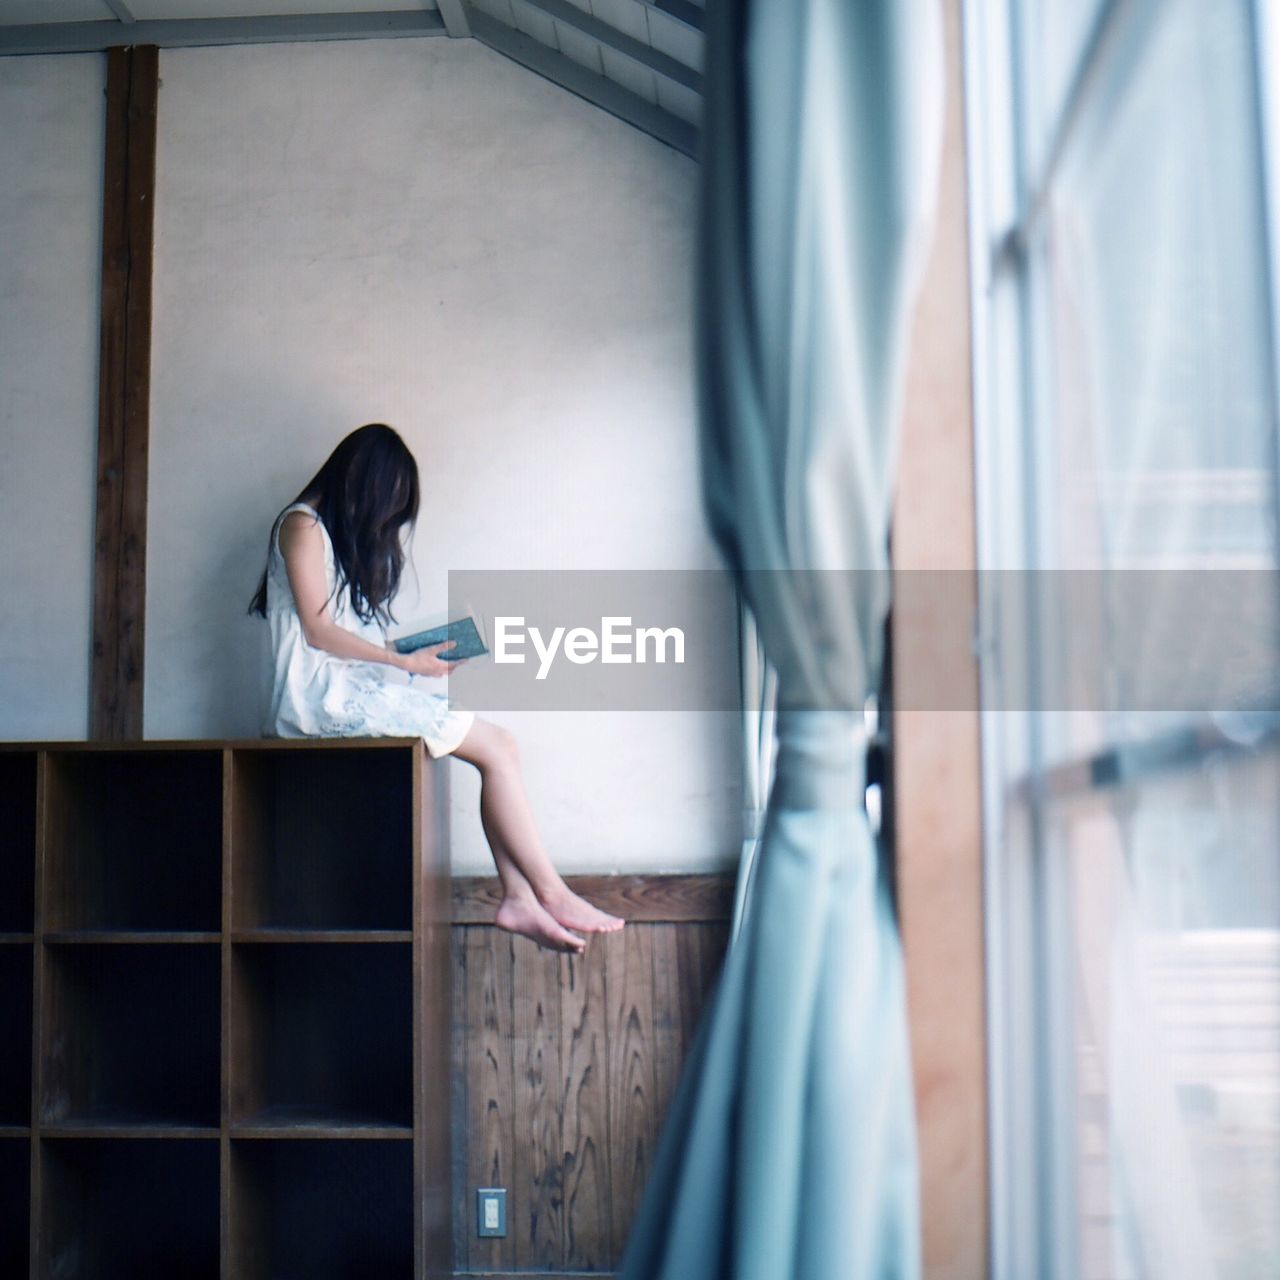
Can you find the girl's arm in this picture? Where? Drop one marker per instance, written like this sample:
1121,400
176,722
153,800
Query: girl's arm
302,545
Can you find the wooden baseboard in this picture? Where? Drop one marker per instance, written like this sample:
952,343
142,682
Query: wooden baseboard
643,899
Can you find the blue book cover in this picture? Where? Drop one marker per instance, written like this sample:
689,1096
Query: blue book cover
465,632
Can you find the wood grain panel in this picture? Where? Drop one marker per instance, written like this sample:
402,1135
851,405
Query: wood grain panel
616,1025
668,1028
537,1219
460,1099
640,899
633,1117
588,1240
490,1122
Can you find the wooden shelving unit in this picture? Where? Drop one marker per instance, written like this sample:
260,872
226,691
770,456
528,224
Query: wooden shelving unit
224,986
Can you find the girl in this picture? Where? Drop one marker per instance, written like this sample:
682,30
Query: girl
339,544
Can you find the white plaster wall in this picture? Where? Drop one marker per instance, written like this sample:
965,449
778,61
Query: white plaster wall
51,129
423,233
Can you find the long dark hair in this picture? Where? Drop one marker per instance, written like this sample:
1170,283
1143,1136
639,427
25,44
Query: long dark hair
365,493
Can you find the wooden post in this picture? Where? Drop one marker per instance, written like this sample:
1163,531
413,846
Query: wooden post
937,779
124,395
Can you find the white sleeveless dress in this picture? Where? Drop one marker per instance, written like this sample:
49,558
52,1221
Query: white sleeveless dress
315,693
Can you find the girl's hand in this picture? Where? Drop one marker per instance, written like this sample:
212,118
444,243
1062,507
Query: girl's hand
423,662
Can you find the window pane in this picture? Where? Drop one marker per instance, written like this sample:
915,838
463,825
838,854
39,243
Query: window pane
1173,912
1055,34
1157,281
1156,437
1126,418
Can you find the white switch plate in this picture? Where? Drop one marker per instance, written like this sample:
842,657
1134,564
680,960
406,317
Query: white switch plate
491,1211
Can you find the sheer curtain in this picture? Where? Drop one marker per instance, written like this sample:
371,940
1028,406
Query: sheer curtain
789,1151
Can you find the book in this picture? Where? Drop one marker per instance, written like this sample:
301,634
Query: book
466,632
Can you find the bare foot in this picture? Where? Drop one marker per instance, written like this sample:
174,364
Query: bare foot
527,917
574,912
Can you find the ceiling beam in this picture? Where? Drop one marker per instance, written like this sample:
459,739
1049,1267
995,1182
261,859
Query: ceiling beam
606,94
121,10
181,33
636,50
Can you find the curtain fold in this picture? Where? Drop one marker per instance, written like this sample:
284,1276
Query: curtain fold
758,687
789,1150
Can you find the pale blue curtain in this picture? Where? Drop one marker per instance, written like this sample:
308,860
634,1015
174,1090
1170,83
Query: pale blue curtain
758,686
789,1152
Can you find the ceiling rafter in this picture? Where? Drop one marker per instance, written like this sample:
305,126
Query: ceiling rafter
692,15
457,18
628,46
607,94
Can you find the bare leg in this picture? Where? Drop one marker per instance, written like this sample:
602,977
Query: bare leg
535,895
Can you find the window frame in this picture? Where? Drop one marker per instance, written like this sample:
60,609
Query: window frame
1030,1085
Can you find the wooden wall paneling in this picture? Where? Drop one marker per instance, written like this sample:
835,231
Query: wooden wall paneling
490,1121
587,1188
459,1104
538,1216
620,1021
641,899
669,1044
700,951
124,393
714,937
633,1119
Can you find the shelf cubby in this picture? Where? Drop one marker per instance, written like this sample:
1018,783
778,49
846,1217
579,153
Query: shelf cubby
131,1036
135,840
322,1038
321,1210
322,840
17,841
15,1205
15,1035
121,1209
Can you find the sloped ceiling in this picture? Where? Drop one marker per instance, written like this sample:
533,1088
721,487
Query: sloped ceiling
641,60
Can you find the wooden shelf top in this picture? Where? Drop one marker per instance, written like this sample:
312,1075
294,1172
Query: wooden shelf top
131,937
278,935
121,1126
282,1121
215,744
